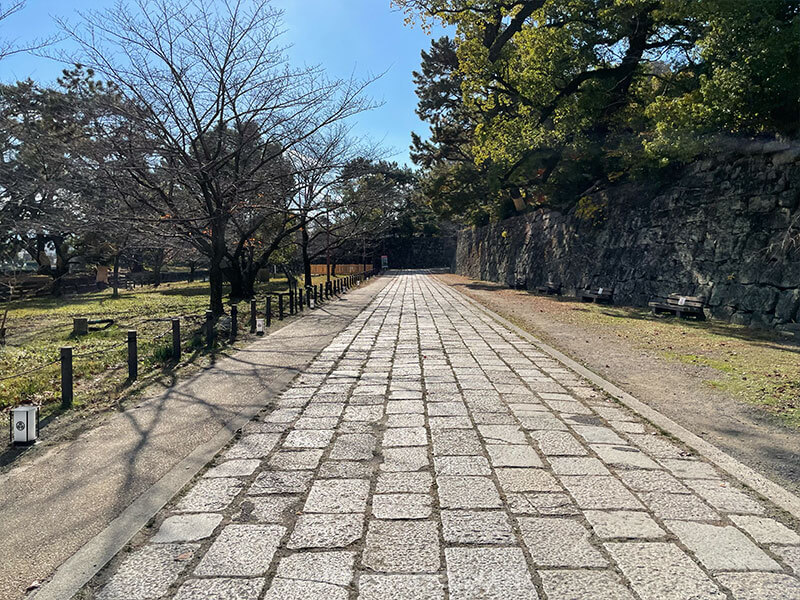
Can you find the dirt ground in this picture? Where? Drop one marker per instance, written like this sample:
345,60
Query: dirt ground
682,390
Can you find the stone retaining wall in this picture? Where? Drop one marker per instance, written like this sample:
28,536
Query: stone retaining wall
722,228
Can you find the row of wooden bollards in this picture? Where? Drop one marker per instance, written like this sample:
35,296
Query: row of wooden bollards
297,299
66,358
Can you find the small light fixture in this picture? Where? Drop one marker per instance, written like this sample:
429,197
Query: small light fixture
259,326
24,425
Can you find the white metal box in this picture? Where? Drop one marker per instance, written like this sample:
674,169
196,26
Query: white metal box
24,424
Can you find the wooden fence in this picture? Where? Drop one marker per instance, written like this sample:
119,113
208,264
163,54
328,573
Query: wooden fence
339,269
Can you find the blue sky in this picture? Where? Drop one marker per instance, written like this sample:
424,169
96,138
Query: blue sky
345,36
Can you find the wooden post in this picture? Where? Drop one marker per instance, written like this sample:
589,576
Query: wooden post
133,356
308,296
300,298
280,307
291,301
176,339
315,296
234,321
209,328
66,377
80,326
269,311
253,311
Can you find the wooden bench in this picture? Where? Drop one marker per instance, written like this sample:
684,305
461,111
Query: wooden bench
550,289
683,306
599,295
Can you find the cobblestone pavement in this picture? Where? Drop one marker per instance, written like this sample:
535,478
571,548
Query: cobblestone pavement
430,453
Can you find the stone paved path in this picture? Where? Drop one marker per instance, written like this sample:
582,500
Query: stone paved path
429,453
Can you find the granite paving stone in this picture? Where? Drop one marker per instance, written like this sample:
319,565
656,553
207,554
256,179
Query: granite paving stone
678,506
488,574
335,568
187,528
402,547
221,588
652,481
623,524
400,587
405,436
766,531
290,460
256,445
404,459
624,456
555,542
599,492
598,435
456,442
477,527
535,503
241,550
281,482
790,555
308,438
293,589
461,465
662,571
353,446
576,465
404,482
401,506
326,531
234,468
559,443
526,480
578,585
722,496
267,509
467,492
337,496
722,548
761,586
513,455
148,572
690,469
210,495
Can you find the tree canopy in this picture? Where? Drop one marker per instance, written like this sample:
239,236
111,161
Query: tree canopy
558,97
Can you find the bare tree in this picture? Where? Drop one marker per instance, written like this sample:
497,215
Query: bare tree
322,163
8,46
211,108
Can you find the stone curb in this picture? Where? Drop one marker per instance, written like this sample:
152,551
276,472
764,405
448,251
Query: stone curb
82,566
742,473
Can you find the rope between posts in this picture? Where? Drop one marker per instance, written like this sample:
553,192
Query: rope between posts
101,351
29,371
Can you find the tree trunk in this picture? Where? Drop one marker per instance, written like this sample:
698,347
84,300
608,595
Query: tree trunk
159,262
215,274
192,267
236,279
62,265
289,277
306,257
248,284
115,277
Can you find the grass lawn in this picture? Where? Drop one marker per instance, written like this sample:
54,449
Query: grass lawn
759,367
38,327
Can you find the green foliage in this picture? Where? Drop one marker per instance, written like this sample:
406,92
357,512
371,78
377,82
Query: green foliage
560,97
